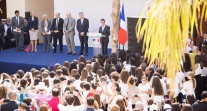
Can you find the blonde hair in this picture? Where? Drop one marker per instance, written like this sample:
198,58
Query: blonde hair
115,108
191,74
44,15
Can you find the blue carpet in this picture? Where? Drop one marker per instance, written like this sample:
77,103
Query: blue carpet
11,61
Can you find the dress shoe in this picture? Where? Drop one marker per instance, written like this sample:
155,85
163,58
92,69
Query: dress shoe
69,53
80,53
74,53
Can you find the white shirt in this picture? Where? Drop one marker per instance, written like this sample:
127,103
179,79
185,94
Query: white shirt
141,88
198,70
180,76
66,108
204,72
188,86
5,28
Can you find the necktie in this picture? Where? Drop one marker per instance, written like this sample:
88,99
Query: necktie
81,21
17,20
57,23
67,25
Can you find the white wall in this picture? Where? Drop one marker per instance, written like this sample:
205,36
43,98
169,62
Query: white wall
94,10
13,5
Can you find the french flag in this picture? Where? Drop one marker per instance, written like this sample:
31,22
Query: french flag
122,37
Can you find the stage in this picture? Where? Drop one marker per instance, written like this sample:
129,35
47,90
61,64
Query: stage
11,61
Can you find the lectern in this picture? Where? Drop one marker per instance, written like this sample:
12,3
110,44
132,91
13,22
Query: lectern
96,43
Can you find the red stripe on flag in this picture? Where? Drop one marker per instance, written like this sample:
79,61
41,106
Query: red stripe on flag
122,36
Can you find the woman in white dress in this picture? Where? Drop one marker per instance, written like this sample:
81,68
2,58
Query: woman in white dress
189,86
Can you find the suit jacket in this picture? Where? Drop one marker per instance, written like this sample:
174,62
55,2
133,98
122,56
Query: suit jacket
202,42
83,27
60,26
10,106
10,34
33,23
89,109
43,26
2,30
71,24
105,32
15,23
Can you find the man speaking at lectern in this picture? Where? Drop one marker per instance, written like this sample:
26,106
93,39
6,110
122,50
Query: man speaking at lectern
105,31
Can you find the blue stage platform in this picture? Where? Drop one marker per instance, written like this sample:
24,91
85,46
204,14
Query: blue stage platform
11,61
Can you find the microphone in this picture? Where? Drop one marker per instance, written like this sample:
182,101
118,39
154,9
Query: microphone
51,45
95,30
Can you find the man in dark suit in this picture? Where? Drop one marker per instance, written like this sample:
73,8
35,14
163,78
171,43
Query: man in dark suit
18,30
105,31
10,37
57,27
26,32
11,105
2,36
203,42
82,27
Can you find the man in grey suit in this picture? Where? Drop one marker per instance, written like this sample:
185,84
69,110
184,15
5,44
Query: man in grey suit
18,30
69,29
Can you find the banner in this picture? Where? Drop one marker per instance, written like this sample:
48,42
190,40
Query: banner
3,9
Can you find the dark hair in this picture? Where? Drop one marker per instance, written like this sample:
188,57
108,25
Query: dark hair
187,63
21,73
118,89
133,70
52,74
118,67
132,61
175,107
69,99
122,55
114,60
199,60
73,65
36,81
81,65
115,76
133,80
56,81
70,81
190,99
187,107
23,83
156,84
58,72
121,104
90,101
47,83
103,20
93,86
96,66
77,76
16,11
55,92
99,72
87,86
138,59
65,71
27,101
82,59
23,105
204,95
124,75
139,74
66,64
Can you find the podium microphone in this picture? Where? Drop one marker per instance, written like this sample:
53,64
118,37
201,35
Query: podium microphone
51,45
